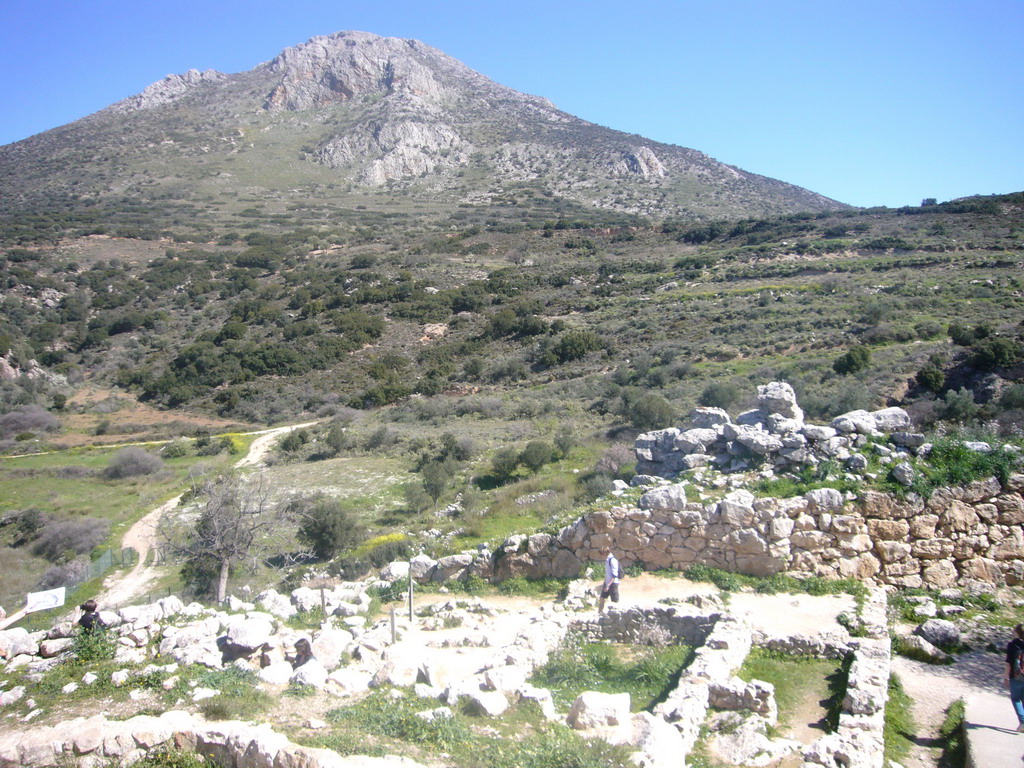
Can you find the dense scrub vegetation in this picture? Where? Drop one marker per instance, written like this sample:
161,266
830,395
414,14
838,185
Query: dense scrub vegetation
851,307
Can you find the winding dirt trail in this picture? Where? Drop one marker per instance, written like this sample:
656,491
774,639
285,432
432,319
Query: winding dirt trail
121,588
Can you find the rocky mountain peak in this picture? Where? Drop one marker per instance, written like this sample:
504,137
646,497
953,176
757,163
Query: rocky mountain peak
336,68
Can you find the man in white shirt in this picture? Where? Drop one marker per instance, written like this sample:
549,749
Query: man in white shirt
612,575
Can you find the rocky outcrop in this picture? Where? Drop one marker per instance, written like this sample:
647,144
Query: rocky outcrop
641,161
384,152
168,90
772,435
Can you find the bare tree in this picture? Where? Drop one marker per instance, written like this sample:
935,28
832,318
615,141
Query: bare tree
237,523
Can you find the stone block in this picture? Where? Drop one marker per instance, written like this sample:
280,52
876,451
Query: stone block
599,710
932,549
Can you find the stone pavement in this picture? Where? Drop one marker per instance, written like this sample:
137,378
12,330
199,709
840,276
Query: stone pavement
992,738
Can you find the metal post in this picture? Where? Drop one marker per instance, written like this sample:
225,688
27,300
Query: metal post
411,582
394,629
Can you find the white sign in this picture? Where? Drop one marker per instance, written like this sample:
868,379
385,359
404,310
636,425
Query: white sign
40,601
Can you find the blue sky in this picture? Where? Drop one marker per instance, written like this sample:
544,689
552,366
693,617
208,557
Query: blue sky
868,102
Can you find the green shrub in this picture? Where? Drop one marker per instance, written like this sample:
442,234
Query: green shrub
397,718
953,463
1012,398
176,449
91,647
951,734
240,696
651,411
132,462
647,675
597,485
326,525
854,361
931,378
959,406
536,454
165,757
720,394
504,464
522,586
997,352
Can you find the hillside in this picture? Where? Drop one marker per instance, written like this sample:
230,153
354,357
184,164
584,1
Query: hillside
259,327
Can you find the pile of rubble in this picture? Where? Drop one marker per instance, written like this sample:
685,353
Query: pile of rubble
773,434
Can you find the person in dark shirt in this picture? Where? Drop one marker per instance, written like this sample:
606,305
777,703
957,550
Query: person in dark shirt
1014,677
303,652
90,618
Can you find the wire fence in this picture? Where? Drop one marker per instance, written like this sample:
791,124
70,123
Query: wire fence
124,557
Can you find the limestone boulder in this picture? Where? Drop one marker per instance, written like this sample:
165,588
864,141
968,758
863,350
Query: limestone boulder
312,673
939,632
917,646
891,419
858,421
670,498
348,681
779,397
397,570
704,417
824,500
421,566
599,710
818,433
249,634
658,743
17,641
696,440
487,703
451,566
330,645
276,604
277,673
50,648
565,565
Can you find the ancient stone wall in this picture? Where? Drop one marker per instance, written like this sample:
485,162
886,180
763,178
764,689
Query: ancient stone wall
971,535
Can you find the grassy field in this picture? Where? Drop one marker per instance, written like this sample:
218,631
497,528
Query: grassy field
69,486
807,691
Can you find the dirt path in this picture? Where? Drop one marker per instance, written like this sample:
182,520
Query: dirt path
933,688
121,588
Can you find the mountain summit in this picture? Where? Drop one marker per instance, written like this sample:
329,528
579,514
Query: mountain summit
354,115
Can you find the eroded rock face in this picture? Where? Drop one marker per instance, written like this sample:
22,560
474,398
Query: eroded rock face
641,161
342,66
168,90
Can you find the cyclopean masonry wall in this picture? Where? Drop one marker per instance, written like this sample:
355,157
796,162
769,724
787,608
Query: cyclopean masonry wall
960,536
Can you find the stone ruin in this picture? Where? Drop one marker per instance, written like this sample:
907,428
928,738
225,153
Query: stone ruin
774,434
464,654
